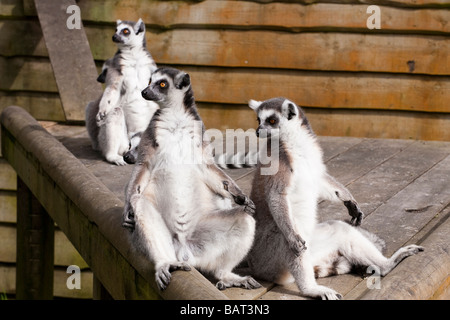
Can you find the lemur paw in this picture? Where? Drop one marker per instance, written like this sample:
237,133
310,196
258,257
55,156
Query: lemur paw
355,212
241,199
128,219
163,274
245,201
297,244
100,118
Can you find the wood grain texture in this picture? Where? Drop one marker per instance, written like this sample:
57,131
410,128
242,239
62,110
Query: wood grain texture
71,58
275,15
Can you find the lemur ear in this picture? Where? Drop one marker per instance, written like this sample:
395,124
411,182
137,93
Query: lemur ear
102,76
118,21
182,80
139,26
254,104
289,109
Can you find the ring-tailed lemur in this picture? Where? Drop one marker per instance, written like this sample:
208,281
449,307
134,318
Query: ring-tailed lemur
225,160
121,106
179,204
286,205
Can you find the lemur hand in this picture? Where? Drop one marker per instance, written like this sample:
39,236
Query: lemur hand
355,212
128,218
100,118
241,199
296,244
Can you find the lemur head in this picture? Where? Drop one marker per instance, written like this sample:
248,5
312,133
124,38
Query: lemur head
129,33
278,115
131,155
169,87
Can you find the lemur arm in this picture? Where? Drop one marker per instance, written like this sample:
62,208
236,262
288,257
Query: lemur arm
335,191
222,184
136,185
281,213
111,95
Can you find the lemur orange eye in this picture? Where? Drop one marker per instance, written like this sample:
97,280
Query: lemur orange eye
126,31
272,121
162,84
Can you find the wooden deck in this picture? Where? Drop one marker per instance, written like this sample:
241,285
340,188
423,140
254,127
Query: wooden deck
403,187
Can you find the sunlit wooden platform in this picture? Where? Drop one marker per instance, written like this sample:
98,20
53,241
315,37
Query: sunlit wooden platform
402,186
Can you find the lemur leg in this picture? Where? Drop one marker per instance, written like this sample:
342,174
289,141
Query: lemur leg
335,191
349,243
222,240
302,269
113,138
154,239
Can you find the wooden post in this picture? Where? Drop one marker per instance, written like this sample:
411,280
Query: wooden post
99,291
35,247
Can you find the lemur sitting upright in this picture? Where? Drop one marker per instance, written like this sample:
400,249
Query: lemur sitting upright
121,112
289,244
182,209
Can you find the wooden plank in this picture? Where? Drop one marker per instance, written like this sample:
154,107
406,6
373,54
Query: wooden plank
335,90
397,173
309,89
400,3
8,205
378,185
41,105
419,277
35,247
8,177
363,157
8,283
286,16
305,51
72,61
334,146
265,48
27,74
409,210
342,122
380,124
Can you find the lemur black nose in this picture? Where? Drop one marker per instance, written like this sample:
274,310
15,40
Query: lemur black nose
129,158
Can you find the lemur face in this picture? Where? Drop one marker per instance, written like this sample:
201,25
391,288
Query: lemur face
129,33
131,155
274,115
167,85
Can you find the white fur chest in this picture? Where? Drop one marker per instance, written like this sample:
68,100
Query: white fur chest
303,191
176,168
136,67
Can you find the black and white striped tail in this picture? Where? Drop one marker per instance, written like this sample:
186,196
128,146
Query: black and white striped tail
237,161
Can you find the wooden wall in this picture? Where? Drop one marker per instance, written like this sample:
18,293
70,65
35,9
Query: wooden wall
352,81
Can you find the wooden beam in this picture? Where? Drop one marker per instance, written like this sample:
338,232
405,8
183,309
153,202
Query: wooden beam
35,247
89,214
71,58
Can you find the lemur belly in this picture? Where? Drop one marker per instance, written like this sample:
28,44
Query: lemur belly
303,194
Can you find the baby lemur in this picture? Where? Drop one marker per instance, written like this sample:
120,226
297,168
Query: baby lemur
121,112
182,209
289,244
